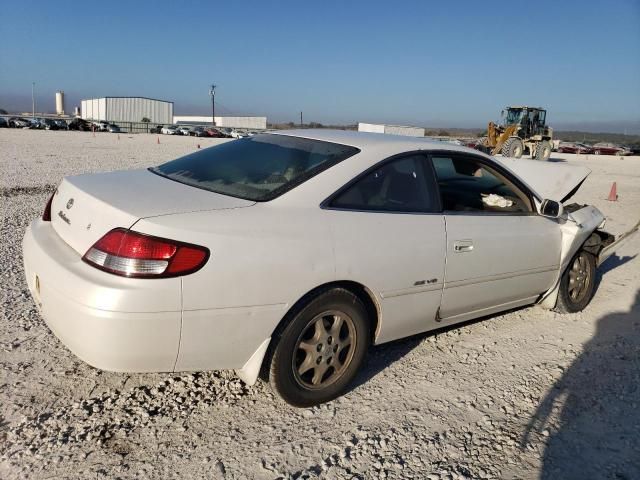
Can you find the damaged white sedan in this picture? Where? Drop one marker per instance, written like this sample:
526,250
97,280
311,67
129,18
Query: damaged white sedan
291,252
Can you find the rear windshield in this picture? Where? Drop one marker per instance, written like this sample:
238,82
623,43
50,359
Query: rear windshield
257,168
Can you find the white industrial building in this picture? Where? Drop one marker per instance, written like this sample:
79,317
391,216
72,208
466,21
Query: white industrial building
249,123
391,129
127,109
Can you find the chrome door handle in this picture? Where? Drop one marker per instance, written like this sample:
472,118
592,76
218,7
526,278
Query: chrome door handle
463,246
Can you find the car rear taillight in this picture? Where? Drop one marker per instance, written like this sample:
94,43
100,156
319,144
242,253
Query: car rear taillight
46,215
132,254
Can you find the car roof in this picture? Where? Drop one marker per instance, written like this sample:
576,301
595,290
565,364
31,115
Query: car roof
366,140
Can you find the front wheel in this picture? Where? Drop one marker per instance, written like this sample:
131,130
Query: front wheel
513,148
321,349
543,152
577,284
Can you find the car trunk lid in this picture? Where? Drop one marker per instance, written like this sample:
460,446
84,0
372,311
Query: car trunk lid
85,207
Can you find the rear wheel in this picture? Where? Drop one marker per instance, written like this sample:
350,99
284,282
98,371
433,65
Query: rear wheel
577,284
543,152
513,147
597,152
321,349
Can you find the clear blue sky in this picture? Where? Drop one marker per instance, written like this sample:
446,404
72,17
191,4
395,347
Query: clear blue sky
425,63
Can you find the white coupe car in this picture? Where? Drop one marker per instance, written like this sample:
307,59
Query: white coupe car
169,130
290,253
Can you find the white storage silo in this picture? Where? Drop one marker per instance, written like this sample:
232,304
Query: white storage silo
60,102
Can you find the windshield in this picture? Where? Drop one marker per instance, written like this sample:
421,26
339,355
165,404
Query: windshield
257,168
513,117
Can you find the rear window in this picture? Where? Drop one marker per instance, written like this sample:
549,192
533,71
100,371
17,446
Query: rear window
258,168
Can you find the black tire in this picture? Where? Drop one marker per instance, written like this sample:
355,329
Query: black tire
543,152
320,352
582,266
513,148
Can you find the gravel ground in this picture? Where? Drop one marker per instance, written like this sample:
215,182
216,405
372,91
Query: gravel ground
526,394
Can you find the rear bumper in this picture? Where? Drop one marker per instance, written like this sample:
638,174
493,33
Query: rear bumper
137,325
112,323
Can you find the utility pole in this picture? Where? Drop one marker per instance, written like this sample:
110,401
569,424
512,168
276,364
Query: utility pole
300,119
33,100
212,92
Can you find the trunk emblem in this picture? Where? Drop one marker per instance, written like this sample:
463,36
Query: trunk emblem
70,203
64,217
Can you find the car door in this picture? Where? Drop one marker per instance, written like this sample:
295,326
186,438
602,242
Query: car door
388,235
500,253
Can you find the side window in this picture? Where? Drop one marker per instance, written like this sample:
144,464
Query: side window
467,185
397,186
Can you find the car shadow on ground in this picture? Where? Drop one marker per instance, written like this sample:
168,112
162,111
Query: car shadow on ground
556,160
382,356
592,413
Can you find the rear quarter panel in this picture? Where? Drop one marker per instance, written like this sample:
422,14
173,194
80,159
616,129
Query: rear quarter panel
263,259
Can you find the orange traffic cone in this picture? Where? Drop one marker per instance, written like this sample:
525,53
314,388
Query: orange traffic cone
158,141
613,194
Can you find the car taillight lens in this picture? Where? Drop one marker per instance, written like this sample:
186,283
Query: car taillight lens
46,215
131,254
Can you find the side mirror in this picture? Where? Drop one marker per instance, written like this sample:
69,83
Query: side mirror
551,209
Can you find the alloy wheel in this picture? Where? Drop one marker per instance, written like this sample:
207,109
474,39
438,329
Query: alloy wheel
579,278
324,350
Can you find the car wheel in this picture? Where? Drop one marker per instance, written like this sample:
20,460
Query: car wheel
513,148
319,352
543,152
577,284
597,152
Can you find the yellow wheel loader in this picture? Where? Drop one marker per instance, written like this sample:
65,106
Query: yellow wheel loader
523,130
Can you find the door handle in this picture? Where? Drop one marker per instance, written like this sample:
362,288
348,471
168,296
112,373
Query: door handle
462,246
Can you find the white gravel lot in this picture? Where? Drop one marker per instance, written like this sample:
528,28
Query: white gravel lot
526,394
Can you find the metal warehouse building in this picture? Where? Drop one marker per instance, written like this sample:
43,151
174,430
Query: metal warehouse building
127,109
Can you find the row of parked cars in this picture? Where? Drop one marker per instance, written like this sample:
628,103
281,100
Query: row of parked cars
40,123
203,131
596,149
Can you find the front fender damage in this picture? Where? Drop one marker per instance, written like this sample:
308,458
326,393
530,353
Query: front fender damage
577,229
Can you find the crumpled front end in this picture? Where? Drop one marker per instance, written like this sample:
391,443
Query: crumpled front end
580,228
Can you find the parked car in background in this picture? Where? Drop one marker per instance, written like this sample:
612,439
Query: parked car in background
156,129
47,124
100,126
240,134
80,125
184,280
216,133
61,124
610,149
169,130
184,130
570,147
4,123
198,132
225,131
19,122
113,128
